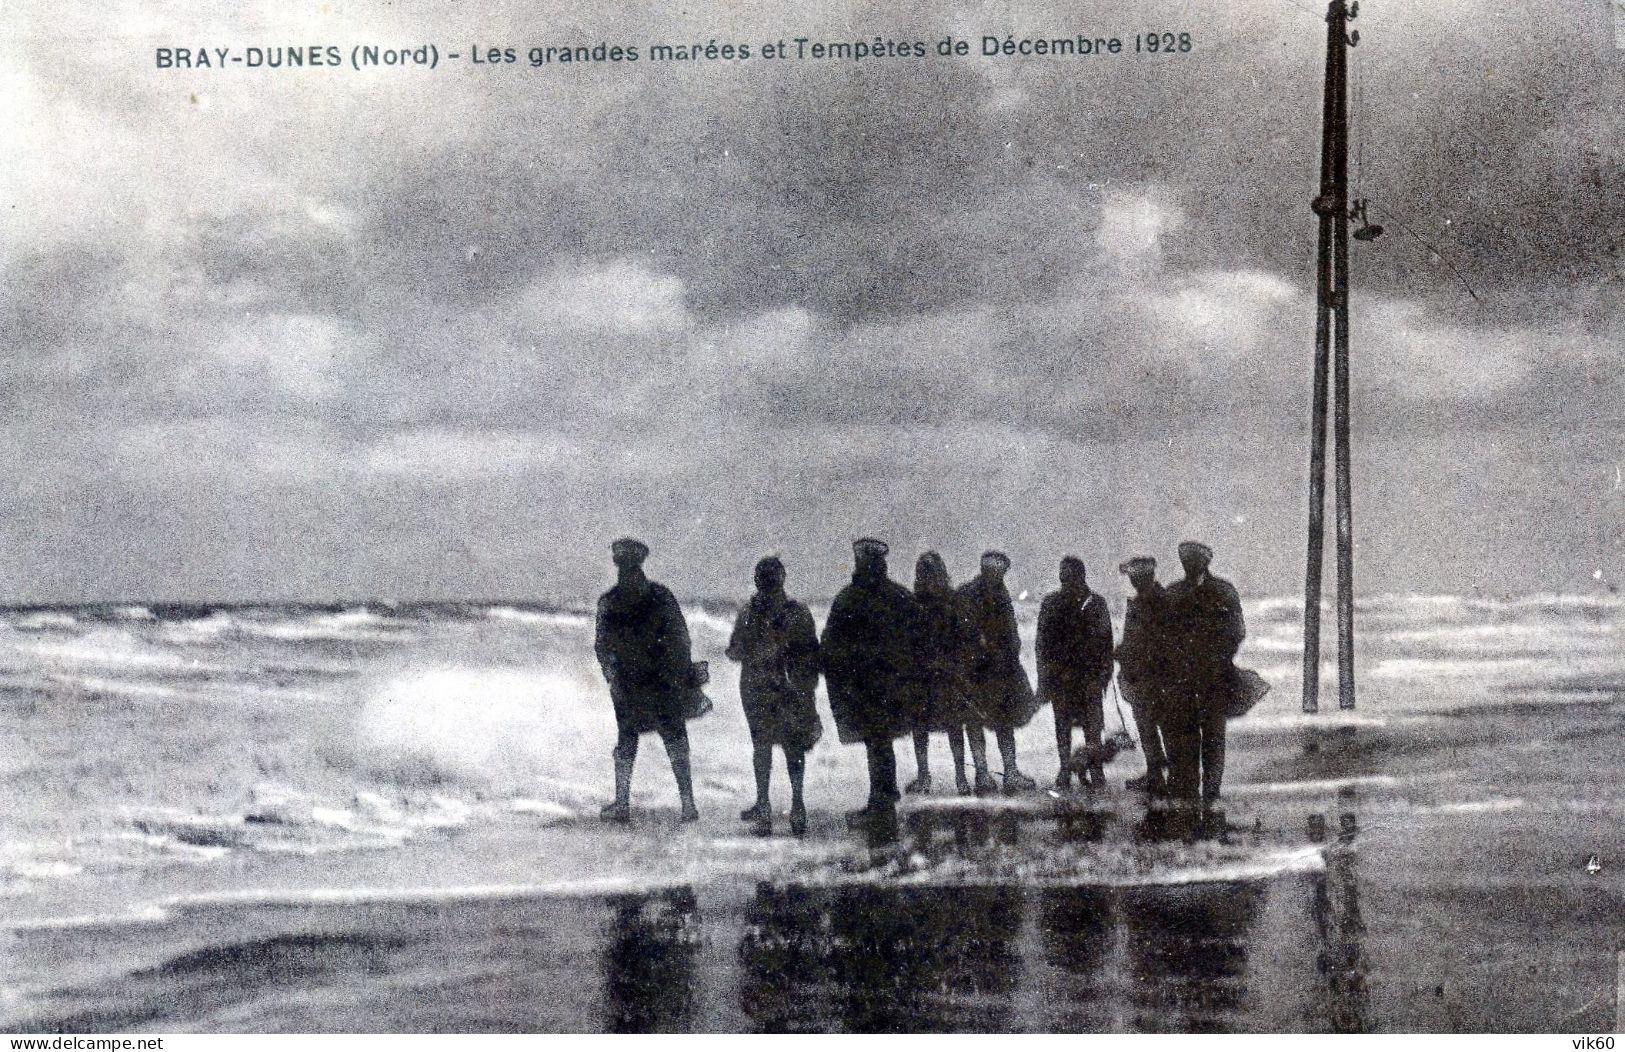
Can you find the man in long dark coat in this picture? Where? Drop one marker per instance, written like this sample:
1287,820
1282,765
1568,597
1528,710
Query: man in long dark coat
643,647
1206,629
999,684
870,656
1142,659
776,644
1075,666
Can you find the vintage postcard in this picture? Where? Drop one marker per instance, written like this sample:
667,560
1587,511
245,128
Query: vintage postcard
838,517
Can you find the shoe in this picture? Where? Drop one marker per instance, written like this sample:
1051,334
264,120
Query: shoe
918,786
962,784
798,821
1063,781
690,812
1016,782
616,812
1138,785
985,785
756,812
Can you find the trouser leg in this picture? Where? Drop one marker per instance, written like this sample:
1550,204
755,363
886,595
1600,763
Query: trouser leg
1213,743
1184,753
1063,738
882,772
1006,737
624,754
762,761
1094,723
956,747
922,754
677,752
795,765
1145,724
977,737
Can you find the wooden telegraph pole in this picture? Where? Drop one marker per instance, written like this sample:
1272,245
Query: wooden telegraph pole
1331,348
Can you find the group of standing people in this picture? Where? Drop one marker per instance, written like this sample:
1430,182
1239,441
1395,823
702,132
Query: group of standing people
934,659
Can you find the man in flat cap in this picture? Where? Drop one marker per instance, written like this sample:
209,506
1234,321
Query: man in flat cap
1142,658
1075,666
643,647
1205,631
999,683
870,656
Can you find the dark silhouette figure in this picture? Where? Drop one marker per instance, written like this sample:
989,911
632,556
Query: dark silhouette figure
947,650
999,685
1075,667
869,653
643,648
650,963
1205,631
776,644
1187,948
879,959
1142,659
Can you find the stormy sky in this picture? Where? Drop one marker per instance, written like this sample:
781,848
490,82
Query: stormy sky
415,334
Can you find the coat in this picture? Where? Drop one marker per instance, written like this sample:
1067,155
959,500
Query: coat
1074,651
776,644
1205,629
643,648
948,649
1144,653
999,684
870,656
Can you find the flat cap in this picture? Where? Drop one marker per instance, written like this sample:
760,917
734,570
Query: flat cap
629,550
998,557
1195,550
869,546
1138,564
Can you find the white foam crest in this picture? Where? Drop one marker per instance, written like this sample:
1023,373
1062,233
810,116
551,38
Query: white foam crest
1315,786
39,620
141,915
1473,807
501,727
1454,668
345,625
699,619
538,617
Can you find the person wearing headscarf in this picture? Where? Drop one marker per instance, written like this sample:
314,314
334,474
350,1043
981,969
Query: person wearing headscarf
1205,629
643,648
947,649
1142,659
776,644
869,653
1000,689
1075,667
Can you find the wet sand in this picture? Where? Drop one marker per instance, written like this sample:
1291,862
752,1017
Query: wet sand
1446,888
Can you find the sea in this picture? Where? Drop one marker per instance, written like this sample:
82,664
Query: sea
384,817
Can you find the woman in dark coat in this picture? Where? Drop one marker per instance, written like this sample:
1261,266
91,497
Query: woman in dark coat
869,653
1000,687
947,650
776,644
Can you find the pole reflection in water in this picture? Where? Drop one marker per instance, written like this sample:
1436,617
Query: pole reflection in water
1340,932
650,962
874,959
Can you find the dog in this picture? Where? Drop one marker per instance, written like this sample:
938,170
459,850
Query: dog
1086,760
